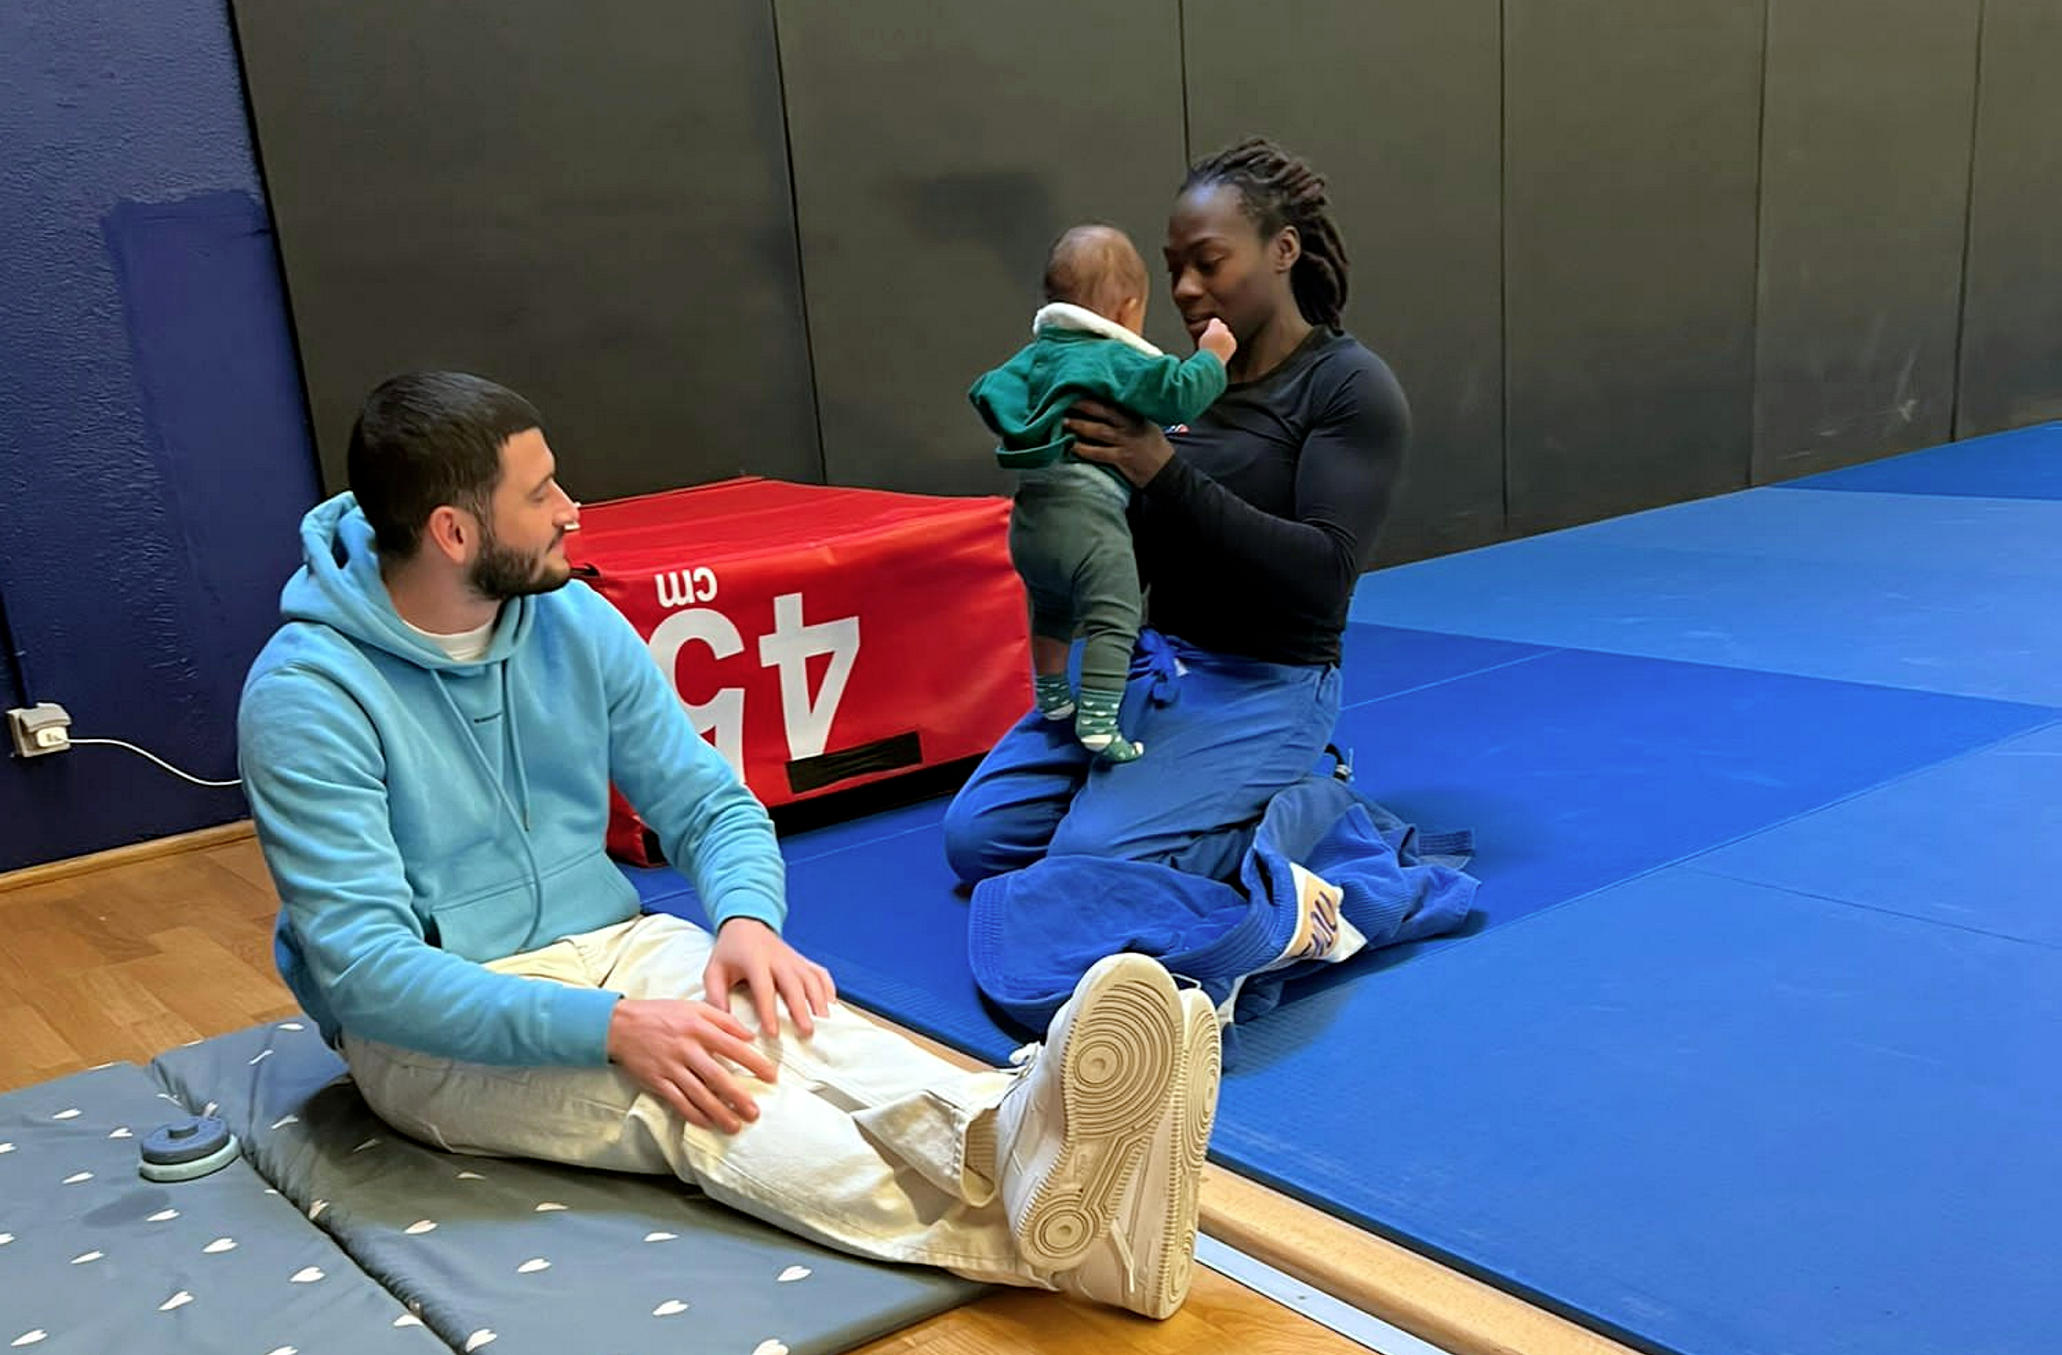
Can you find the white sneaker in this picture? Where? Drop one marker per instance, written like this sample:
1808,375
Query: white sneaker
1147,1261
1070,1133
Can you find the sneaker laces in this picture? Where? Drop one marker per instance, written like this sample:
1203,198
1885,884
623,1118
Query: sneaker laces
1023,1059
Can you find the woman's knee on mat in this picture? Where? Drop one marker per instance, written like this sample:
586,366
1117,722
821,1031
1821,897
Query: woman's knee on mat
984,840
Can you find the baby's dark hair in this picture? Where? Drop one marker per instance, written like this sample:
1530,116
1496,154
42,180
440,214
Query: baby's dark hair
1094,266
1278,189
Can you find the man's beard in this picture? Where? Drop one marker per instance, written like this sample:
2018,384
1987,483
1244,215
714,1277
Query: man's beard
499,572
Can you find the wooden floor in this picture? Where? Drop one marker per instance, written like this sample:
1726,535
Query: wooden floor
128,959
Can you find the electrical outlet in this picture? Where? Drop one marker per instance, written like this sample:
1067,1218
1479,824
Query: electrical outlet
39,729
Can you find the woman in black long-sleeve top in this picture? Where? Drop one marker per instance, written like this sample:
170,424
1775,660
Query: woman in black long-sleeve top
1251,526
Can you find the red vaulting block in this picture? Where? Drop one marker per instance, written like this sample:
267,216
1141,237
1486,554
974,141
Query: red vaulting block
821,638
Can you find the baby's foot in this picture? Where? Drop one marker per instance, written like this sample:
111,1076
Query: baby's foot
1055,696
1096,726
1113,747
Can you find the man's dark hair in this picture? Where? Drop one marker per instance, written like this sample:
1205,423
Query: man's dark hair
426,439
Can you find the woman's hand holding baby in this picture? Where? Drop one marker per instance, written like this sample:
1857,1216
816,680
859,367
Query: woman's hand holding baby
1115,437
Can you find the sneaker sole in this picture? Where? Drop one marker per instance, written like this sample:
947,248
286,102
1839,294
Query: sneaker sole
1195,1113
1118,1068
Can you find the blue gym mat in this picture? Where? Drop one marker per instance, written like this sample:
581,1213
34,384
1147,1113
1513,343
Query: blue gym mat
1975,842
1751,1046
2025,463
1578,769
1933,593
1384,661
1575,769
1704,1115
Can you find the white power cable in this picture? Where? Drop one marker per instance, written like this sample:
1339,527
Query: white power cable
145,752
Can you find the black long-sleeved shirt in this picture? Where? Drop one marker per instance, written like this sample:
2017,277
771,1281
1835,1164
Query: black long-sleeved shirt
1252,537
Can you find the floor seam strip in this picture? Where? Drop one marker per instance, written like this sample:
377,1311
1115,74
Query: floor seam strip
1866,907
1545,651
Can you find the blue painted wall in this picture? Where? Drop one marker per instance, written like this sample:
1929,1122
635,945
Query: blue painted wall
154,451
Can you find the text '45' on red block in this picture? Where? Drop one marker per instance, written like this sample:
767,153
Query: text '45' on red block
821,638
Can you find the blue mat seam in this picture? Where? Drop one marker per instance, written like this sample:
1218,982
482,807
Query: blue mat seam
1974,750
1703,551
1512,925
1457,677
1866,907
865,842
1896,493
1899,494
1694,663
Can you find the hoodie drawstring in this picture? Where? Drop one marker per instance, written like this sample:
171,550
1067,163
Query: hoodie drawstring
519,817
514,746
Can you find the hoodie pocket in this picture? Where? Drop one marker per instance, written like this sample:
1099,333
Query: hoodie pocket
580,894
487,926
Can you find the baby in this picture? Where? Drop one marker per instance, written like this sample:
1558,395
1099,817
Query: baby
1068,536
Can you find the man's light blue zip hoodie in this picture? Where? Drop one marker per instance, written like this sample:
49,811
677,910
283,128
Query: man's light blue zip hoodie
422,816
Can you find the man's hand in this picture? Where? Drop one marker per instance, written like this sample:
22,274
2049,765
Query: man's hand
1217,338
678,1050
751,953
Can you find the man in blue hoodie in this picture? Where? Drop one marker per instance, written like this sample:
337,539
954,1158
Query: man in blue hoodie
428,744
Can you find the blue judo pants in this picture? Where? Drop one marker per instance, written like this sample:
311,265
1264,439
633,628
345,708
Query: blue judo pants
1223,736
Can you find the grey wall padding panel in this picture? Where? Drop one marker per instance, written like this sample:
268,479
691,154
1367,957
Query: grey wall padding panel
1864,196
2011,371
588,202
1399,105
1630,156
938,149
1618,258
